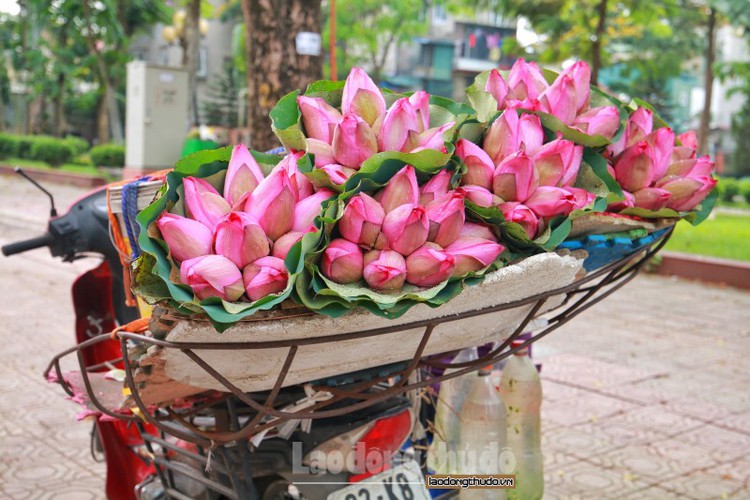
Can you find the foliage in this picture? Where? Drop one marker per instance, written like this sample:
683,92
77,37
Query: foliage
79,145
723,235
220,105
728,188
108,155
8,145
51,150
744,187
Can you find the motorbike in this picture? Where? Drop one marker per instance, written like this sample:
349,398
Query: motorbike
145,463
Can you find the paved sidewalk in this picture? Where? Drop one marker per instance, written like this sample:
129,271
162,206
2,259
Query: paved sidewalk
647,395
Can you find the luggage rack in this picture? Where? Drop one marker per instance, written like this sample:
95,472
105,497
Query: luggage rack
263,411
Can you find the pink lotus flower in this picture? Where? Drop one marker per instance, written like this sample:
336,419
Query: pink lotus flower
651,198
437,186
322,151
580,75
525,80
689,139
243,174
362,97
384,270
480,196
399,129
662,144
548,201
265,277
203,203
508,134
272,204
560,99
353,141
433,138
301,184
342,261
474,230
212,276
282,246
473,254
400,190
318,117
628,201
406,227
521,215
687,192
634,170
583,198
239,238
515,178
421,102
640,123
186,238
307,209
338,174
602,121
557,163
446,216
429,265
498,87
362,220
479,166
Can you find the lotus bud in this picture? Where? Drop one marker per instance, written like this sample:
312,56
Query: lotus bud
498,87
384,270
353,142
203,203
548,201
406,227
400,190
243,174
342,261
521,215
435,187
480,196
420,100
362,220
583,198
628,201
186,238
560,99
634,170
502,137
640,124
602,121
212,276
473,254
479,165
338,174
651,198
474,230
433,138
272,204
362,97
515,179
307,209
239,238
318,118
689,139
399,127
302,185
525,80
557,163
446,215
662,145
264,277
321,151
282,246
703,166
580,74
688,192
429,265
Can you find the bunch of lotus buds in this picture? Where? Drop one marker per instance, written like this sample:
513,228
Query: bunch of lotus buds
232,245
407,234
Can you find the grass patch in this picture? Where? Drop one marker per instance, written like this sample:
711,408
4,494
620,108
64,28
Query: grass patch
76,168
723,235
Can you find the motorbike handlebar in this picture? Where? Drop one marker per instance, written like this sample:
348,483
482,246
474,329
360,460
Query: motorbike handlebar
30,244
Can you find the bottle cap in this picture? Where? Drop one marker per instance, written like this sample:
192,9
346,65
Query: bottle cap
485,370
521,352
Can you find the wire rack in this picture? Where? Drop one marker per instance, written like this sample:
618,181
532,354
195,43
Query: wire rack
254,413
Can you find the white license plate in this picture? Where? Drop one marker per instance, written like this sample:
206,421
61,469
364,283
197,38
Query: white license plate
400,483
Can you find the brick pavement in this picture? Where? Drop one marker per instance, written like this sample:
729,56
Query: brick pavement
646,394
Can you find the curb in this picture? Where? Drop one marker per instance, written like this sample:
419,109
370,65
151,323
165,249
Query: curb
60,177
707,269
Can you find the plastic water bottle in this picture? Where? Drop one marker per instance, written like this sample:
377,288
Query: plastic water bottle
443,452
521,391
483,430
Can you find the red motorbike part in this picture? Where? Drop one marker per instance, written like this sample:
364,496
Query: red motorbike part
125,469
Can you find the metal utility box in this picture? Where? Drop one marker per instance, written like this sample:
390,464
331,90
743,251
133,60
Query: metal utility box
156,117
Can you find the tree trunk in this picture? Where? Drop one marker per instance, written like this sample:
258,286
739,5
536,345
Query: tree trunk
102,120
190,55
59,113
708,84
273,66
2,114
596,46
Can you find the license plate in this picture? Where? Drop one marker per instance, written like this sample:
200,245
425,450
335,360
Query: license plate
403,482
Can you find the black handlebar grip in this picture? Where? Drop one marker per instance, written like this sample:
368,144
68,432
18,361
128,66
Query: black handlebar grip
30,244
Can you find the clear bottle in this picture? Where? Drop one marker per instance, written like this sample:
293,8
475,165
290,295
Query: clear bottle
482,435
521,391
443,452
